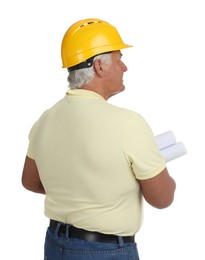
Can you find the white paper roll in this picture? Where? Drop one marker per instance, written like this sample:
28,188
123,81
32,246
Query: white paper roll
174,151
165,139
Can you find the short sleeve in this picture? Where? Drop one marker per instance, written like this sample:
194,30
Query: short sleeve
32,136
141,149
30,151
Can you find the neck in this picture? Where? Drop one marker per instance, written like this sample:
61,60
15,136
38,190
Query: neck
96,88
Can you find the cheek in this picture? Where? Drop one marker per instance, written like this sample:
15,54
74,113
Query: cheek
116,74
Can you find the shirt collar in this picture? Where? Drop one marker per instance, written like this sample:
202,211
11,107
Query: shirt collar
84,93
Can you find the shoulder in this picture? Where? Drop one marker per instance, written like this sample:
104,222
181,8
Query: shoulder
132,118
124,111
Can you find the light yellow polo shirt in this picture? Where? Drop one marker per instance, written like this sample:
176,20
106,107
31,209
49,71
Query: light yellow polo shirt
89,154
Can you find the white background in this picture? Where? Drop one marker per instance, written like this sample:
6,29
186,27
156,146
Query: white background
164,82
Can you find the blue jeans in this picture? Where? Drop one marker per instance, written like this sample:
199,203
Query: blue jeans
62,247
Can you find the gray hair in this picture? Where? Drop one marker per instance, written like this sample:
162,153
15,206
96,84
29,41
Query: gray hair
80,77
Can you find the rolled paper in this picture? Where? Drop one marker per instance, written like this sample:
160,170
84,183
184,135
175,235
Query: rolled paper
174,151
165,139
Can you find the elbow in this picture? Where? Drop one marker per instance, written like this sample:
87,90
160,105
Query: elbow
34,187
162,203
159,191
24,184
162,200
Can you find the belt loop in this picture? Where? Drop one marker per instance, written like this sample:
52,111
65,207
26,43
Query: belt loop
57,229
68,232
120,240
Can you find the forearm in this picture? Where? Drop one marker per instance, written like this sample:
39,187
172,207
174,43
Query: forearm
37,188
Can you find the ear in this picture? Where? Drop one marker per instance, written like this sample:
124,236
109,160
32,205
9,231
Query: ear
98,67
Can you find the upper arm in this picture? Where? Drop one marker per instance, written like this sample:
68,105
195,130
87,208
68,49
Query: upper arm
30,177
159,191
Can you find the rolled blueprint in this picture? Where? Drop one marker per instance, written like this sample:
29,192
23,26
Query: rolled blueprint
174,151
169,148
165,139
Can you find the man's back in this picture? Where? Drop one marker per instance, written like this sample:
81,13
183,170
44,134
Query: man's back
81,151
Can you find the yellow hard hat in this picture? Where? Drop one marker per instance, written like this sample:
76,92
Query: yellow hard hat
87,38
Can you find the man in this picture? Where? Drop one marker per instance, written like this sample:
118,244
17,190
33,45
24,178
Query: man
94,161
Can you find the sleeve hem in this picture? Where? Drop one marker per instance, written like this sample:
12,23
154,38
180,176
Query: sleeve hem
152,174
